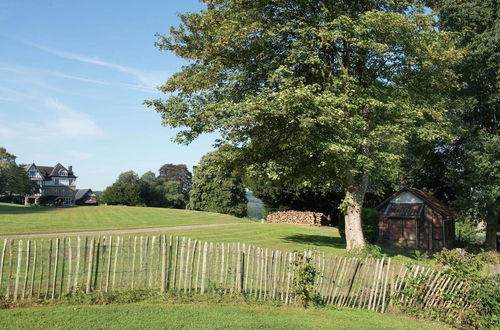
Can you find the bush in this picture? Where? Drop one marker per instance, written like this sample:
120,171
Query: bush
369,223
468,235
480,294
467,266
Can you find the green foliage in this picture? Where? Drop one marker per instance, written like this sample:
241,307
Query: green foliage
167,190
480,293
468,266
216,189
127,190
368,251
369,224
303,282
467,234
466,171
181,175
317,94
13,177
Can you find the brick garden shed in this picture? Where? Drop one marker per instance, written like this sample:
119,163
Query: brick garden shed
413,218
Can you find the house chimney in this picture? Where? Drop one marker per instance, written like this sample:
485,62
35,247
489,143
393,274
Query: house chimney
70,169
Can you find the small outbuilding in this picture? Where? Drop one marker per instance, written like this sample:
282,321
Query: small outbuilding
413,218
85,197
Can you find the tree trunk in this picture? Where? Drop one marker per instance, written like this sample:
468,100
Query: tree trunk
355,191
491,232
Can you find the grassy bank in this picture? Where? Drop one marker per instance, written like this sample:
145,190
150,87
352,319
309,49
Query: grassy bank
17,219
201,315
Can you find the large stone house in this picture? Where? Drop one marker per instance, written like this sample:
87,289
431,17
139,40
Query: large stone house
57,185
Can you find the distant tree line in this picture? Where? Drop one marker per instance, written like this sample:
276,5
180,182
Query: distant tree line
211,189
169,189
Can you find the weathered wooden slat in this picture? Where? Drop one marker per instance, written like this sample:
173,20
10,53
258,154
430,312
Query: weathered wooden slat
70,265
385,284
26,268
186,266
134,253
115,262
373,283
2,261
216,264
152,267
198,263
181,264
41,270
222,265
11,256
56,265
122,259
18,270
377,285
195,248
63,264
89,267
163,281
33,269
204,268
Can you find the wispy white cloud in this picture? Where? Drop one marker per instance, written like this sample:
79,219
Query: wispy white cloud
69,123
104,83
147,79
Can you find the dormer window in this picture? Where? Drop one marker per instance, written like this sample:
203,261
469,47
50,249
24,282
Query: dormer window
63,172
32,172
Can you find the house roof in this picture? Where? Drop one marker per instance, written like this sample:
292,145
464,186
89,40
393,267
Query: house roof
50,171
80,193
410,210
428,199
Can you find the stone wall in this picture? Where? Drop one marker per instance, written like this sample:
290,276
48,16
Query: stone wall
297,217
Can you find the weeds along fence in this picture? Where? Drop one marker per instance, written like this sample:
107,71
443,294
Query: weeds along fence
51,268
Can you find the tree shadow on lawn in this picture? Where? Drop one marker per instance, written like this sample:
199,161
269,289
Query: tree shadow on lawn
339,243
316,240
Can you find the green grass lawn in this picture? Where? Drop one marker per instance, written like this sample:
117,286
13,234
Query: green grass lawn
147,315
17,219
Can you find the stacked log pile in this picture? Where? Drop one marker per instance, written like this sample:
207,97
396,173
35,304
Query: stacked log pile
298,217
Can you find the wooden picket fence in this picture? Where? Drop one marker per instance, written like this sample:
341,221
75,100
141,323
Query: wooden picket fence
48,269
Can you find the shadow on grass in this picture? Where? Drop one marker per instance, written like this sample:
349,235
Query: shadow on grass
337,242
316,240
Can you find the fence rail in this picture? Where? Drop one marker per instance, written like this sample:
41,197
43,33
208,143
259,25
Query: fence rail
48,269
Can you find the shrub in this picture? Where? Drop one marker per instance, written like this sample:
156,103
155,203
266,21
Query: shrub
369,223
303,283
475,306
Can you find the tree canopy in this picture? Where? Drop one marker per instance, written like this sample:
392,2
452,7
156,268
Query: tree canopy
313,94
217,189
13,177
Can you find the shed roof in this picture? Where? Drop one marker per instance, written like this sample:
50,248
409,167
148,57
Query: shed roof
428,199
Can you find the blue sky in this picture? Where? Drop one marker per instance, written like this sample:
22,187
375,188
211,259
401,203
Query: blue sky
73,76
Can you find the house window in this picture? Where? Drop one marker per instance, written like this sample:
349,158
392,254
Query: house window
63,173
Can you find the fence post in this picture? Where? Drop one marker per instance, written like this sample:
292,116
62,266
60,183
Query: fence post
89,268
19,260
204,267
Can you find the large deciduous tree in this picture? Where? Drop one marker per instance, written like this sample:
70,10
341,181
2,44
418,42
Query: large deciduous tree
314,94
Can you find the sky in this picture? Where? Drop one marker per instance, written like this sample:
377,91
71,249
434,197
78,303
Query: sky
73,76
